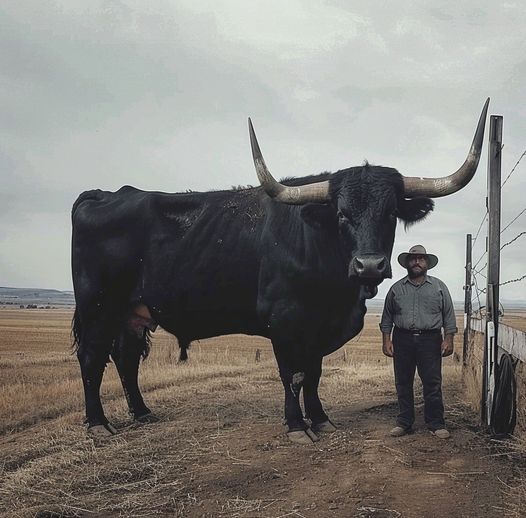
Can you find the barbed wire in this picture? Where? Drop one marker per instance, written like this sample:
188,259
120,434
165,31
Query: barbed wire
477,291
482,291
478,231
513,280
514,239
514,219
513,169
502,185
480,259
474,271
479,272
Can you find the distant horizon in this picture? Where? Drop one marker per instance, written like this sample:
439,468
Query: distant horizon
457,302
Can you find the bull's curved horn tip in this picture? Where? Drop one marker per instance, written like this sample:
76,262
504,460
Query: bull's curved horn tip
254,144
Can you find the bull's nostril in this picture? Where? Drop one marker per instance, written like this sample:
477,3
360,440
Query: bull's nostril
359,265
381,265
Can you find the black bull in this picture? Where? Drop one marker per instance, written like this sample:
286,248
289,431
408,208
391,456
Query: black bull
292,261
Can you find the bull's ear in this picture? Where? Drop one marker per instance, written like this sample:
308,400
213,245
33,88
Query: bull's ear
318,215
412,210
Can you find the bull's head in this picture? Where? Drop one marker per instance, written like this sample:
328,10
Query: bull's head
365,203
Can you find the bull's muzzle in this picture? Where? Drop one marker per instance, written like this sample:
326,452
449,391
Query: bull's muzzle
369,267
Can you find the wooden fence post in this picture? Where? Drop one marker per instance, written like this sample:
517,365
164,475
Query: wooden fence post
467,299
493,269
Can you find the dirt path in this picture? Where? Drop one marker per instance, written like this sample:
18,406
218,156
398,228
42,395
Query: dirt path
358,471
219,450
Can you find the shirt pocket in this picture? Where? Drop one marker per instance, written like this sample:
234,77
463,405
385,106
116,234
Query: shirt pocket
403,304
432,303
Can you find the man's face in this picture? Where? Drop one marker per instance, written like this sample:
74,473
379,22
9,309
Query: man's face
416,265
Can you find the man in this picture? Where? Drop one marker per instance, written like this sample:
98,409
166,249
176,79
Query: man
419,307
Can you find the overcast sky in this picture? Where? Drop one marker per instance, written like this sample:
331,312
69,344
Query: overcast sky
156,94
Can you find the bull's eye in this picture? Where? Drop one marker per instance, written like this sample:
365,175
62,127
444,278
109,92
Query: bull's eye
341,217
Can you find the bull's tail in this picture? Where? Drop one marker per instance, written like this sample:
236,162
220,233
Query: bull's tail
75,330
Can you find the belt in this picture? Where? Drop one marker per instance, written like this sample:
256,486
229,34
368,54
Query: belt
418,332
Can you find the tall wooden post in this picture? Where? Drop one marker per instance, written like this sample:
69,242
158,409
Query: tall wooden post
493,271
467,299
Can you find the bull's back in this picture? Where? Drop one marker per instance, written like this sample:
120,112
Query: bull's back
191,257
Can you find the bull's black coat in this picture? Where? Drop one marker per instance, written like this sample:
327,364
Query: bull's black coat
215,263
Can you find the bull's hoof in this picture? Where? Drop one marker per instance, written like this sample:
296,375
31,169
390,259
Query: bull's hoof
102,431
303,436
325,427
147,418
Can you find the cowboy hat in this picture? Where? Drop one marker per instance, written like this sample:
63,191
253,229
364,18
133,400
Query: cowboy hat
432,260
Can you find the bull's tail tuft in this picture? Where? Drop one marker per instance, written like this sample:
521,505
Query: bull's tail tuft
146,343
75,330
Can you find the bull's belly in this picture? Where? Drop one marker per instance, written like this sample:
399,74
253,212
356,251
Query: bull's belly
200,323
345,329
197,325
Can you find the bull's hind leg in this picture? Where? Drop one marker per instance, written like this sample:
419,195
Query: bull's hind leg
126,354
313,407
93,354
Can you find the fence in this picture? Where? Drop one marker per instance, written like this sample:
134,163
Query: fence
511,341
494,354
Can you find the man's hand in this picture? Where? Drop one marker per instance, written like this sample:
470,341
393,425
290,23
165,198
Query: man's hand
387,345
447,346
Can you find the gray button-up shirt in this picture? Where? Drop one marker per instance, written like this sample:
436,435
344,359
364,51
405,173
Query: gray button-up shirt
421,307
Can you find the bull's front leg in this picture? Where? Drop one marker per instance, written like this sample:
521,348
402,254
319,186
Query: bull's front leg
292,374
314,411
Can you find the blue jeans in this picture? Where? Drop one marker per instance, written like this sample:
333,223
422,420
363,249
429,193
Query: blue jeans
422,352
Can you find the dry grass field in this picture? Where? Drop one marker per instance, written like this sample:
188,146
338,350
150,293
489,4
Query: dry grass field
220,449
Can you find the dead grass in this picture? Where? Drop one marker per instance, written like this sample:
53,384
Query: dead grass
50,464
517,492
515,449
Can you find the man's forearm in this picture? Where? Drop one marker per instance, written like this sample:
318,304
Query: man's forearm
447,344
449,338
387,345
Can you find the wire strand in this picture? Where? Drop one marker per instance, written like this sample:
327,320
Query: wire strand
479,272
478,291
513,280
514,239
480,259
514,219
514,167
478,231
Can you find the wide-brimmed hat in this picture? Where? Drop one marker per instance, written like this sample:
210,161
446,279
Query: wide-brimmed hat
432,260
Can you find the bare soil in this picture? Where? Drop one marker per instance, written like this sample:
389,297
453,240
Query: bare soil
220,449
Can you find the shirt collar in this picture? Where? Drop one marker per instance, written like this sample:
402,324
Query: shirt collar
406,279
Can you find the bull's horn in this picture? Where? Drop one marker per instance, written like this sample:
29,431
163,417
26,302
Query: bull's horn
310,193
437,187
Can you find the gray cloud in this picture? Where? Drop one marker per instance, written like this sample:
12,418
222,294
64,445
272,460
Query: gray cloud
156,95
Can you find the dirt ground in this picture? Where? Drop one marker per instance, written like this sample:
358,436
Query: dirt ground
220,449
